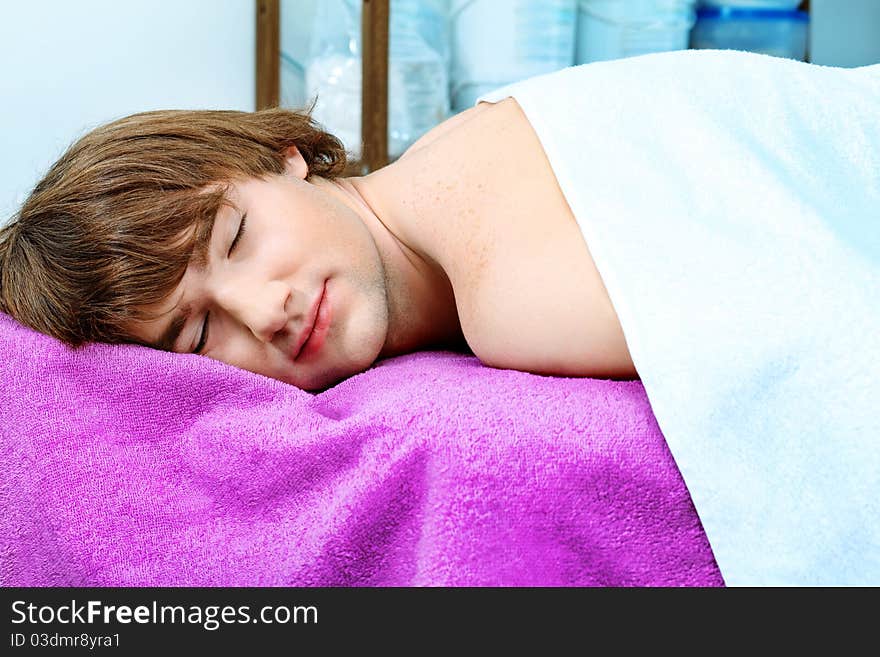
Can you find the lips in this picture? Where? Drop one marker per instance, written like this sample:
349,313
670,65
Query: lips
309,324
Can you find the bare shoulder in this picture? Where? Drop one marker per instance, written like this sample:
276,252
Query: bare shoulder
443,128
491,213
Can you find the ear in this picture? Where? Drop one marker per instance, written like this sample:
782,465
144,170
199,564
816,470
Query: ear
294,164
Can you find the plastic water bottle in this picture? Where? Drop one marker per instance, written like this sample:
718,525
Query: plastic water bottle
333,71
418,81
418,85
495,42
611,29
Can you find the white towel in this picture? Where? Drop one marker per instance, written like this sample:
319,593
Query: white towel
731,202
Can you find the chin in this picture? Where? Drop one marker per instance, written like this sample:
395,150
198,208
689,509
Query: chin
329,378
346,354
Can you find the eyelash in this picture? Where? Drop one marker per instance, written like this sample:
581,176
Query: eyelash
203,339
238,235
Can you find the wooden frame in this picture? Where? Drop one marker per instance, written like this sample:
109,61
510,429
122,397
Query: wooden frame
374,99
268,53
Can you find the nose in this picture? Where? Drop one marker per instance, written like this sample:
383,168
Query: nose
261,306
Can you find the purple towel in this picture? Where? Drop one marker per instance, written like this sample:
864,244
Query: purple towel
124,466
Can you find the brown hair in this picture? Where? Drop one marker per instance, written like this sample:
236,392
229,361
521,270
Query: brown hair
111,227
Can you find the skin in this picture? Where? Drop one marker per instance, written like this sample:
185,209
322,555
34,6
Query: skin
432,251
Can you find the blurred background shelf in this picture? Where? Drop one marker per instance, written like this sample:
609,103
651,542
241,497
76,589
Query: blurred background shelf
410,64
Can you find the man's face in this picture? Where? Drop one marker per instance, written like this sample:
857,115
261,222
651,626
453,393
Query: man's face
259,298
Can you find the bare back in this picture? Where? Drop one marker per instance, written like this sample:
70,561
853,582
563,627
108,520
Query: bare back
528,293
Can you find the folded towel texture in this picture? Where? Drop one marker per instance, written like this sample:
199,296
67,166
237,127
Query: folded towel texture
123,466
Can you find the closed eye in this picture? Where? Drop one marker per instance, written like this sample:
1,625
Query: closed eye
238,235
203,338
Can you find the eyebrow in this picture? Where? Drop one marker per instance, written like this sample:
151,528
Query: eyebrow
199,260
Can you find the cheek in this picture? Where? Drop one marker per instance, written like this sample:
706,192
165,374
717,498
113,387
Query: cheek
332,217
354,235
241,349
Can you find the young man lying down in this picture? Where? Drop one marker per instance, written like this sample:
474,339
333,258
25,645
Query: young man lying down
728,199
233,234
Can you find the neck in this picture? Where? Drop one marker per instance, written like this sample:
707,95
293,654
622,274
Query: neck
421,304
